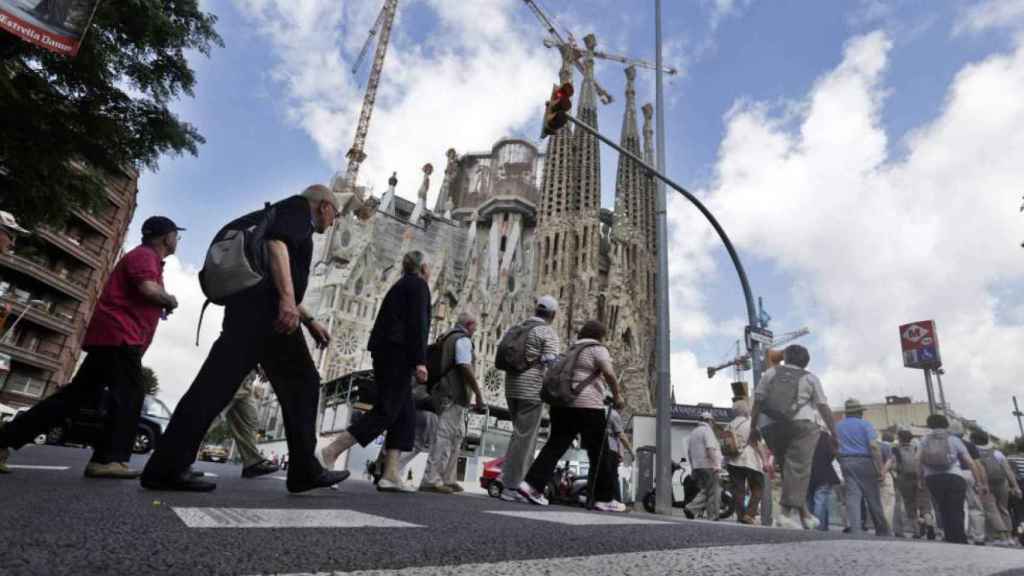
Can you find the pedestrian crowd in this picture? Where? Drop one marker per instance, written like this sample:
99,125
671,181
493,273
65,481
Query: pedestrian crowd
940,485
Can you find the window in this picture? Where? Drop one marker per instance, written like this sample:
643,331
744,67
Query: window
25,385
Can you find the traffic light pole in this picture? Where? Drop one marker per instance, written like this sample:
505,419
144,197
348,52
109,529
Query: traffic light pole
753,346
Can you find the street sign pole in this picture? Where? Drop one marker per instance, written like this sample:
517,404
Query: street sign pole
929,390
942,393
1018,414
663,434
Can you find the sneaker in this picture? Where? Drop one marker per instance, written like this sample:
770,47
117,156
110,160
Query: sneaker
4,454
436,488
115,470
787,521
613,506
261,468
513,496
385,485
532,495
811,522
456,488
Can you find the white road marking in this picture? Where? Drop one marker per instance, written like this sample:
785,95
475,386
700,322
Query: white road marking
580,518
29,467
841,557
283,518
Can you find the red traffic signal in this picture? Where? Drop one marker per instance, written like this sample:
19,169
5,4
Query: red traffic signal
556,110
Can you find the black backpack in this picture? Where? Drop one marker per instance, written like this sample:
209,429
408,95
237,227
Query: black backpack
436,370
237,259
511,353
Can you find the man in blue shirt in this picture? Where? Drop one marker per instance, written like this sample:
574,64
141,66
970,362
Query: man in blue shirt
861,461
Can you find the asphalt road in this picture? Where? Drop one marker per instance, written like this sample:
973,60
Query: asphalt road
57,522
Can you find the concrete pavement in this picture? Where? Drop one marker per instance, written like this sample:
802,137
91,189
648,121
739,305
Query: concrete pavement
57,522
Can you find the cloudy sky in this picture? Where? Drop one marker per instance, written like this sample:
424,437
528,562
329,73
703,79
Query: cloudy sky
864,156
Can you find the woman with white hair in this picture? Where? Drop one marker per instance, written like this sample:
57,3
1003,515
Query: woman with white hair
745,462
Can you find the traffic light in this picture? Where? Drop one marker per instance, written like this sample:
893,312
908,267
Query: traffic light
556,110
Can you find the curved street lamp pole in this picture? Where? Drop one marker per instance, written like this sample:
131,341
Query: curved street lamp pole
663,486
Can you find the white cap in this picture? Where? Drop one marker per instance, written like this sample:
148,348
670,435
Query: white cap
548,303
705,415
7,222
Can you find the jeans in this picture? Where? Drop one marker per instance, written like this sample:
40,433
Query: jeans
862,484
566,424
949,492
818,503
117,368
526,417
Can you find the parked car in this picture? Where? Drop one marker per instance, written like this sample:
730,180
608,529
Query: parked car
212,453
84,427
489,478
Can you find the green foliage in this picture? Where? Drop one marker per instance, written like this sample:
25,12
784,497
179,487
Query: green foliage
68,121
218,434
150,383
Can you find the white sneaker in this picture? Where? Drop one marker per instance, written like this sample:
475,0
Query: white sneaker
786,521
811,522
385,485
532,495
512,496
613,506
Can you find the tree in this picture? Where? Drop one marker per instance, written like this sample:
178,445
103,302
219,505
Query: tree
219,433
150,383
69,122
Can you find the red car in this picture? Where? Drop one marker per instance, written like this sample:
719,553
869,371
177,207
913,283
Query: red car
489,479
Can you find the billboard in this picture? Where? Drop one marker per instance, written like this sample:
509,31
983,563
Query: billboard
920,344
57,25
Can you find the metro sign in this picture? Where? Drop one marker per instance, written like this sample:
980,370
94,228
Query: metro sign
920,345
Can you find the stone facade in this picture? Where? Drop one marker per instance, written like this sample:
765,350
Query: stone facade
509,225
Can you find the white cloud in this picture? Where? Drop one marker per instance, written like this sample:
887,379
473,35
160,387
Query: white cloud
873,241
476,76
722,9
173,356
991,14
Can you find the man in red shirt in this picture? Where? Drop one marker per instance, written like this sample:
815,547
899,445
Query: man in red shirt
119,333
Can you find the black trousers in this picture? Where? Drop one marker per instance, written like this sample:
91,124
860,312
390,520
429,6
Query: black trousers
117,368
566,424
949,491
394,411
247,339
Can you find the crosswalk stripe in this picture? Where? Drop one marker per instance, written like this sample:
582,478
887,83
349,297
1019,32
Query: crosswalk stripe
843,558
31,467
283,518
580,518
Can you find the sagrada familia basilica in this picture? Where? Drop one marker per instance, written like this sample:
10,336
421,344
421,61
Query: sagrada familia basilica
509,225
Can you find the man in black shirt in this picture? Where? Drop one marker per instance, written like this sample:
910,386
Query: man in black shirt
398,344
260,327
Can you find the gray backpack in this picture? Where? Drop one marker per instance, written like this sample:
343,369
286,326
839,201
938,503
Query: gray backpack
511,353
559,388
993,469
780,401
236,260
934,451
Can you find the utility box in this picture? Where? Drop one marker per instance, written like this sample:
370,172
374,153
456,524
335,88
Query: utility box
645,472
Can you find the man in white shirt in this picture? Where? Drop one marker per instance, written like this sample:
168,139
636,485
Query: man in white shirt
705,455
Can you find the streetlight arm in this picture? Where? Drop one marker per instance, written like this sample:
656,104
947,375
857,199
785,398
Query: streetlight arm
747,293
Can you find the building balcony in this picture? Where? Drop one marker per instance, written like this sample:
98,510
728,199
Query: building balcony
100,225
50,363
56,322
71,247
72,288
116,196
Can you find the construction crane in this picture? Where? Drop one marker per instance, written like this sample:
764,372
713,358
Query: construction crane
356,154
742,362
556,40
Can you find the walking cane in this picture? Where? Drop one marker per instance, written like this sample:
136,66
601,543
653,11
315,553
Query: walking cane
592,478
